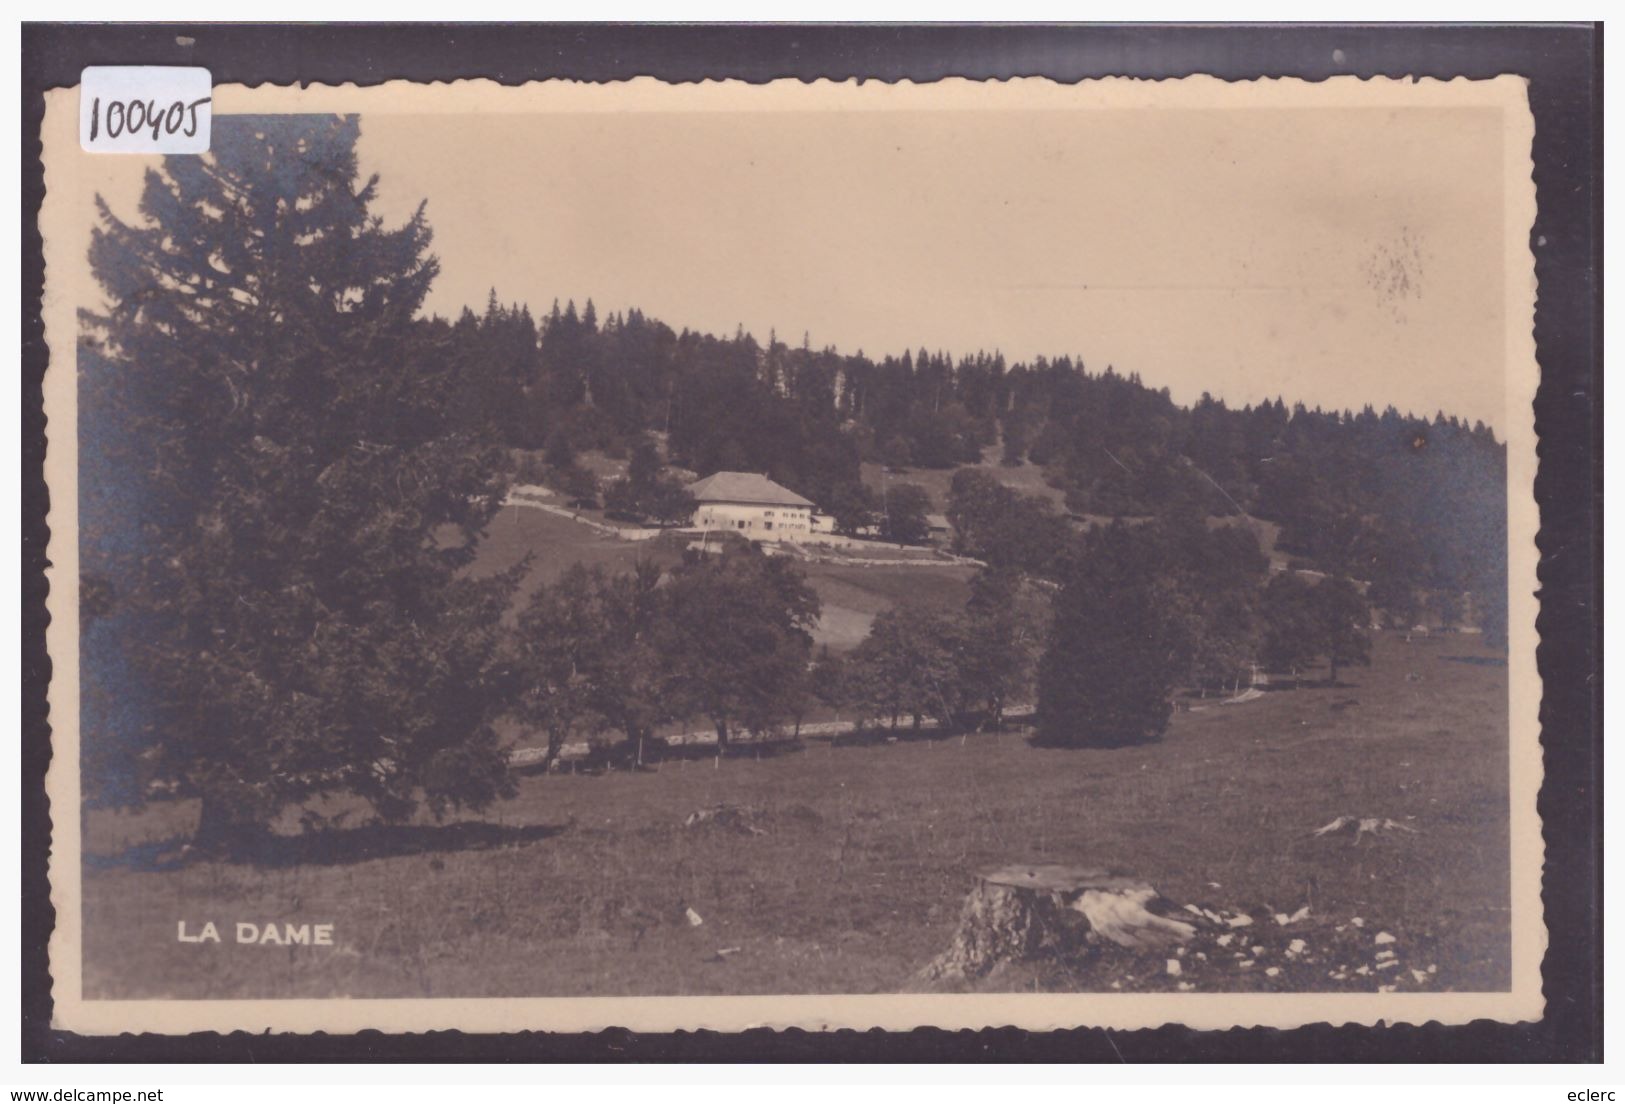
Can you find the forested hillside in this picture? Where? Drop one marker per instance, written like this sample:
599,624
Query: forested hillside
1393,499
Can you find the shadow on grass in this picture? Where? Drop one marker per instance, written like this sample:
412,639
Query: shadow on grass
1288,685
622,758
903,734
1089,741
333,846
1477,660
747,748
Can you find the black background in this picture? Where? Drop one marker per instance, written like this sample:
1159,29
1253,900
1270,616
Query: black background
1564,67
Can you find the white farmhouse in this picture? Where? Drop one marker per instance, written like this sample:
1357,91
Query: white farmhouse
751,505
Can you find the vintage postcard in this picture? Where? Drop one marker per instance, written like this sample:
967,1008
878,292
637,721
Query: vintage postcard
804,554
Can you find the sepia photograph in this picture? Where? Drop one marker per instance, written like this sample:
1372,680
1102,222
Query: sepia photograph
820,554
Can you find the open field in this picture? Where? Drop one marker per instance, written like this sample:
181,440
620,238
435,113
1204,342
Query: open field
846,867
852,595
555,544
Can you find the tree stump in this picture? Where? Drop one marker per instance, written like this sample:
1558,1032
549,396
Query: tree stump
1026,912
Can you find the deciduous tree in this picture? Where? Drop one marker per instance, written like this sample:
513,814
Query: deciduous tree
1343,614
738,635
562,649
906,521
1292,635
1007,619
910,665
632,674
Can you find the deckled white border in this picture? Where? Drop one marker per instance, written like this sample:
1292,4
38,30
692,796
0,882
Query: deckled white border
64,204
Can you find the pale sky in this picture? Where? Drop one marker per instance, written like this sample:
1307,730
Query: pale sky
1337,256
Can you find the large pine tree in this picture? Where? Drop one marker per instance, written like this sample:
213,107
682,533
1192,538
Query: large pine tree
296,503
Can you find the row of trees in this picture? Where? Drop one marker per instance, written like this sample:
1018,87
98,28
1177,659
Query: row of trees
723,637
1144,612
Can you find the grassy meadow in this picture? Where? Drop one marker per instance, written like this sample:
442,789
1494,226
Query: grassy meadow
844,866
557,544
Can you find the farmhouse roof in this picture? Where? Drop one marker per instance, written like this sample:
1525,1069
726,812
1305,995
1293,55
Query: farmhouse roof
744,487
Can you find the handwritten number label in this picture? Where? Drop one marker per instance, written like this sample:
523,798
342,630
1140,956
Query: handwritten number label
178,118
144,109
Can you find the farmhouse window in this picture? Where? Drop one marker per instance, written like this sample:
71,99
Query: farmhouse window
767,525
